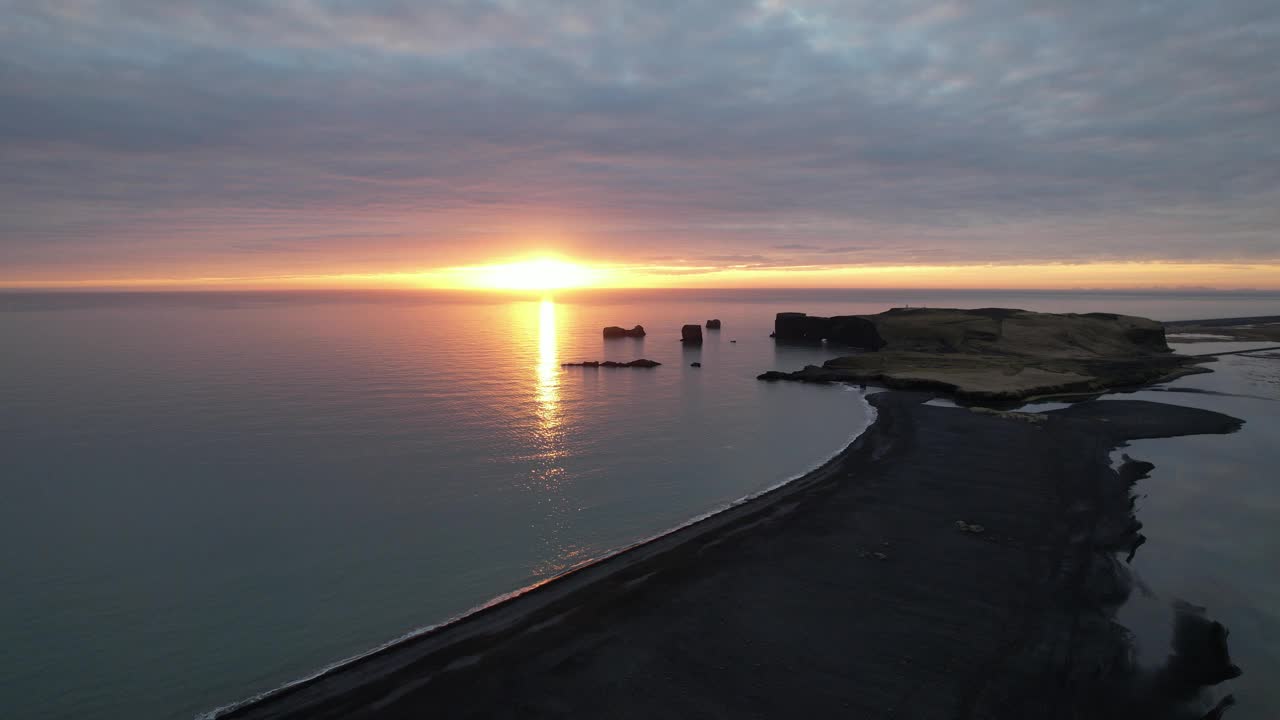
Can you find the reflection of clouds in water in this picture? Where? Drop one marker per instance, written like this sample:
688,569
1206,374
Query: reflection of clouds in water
1210,513
1262,371
1187,681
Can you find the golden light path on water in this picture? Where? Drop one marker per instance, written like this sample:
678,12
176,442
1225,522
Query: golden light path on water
549,473
548,371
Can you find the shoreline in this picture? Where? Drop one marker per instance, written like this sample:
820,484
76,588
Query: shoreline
501,602
232,710
686,578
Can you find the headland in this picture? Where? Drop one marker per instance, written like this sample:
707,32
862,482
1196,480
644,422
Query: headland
987,354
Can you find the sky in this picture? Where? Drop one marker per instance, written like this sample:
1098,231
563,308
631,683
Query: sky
1009,143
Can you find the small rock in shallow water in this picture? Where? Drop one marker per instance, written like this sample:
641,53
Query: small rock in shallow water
641,363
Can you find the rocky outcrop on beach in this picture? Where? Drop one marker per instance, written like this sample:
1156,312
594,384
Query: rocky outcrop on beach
641,363
713,324
691,334
613,331
992,354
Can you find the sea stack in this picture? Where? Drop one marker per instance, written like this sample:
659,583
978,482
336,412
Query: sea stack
613,331
713,324
691,334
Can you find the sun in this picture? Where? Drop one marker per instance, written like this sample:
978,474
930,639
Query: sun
538,274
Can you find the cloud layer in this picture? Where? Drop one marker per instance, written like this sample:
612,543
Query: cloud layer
144,136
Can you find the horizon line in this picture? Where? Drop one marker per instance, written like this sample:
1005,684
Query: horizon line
216,290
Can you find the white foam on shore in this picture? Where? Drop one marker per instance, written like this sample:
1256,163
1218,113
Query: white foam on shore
1043,406
942,402
872,415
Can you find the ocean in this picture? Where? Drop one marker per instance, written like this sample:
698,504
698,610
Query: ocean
208,495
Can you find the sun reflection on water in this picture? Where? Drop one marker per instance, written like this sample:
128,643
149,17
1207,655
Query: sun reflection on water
549,473
548,370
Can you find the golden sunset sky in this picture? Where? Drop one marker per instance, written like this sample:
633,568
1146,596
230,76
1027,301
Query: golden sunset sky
746,143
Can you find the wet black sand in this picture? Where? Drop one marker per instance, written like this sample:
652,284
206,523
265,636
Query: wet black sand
850,592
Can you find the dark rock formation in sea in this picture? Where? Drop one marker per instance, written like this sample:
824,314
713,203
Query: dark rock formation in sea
772,375
613,331
852,330
691,334
713,324
641,363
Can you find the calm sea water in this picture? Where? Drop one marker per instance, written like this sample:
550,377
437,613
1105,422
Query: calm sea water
1209,511
207,496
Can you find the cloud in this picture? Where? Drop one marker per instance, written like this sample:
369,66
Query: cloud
386,132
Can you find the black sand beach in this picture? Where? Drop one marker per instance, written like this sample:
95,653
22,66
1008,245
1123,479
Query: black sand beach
949,563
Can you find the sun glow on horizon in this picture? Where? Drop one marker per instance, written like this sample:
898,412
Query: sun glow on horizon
549,273
537,274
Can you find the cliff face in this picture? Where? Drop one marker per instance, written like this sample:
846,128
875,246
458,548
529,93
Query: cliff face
852,330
